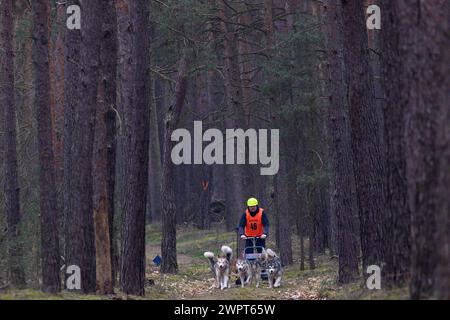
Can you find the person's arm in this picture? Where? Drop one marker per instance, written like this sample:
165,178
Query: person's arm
242,224
265,222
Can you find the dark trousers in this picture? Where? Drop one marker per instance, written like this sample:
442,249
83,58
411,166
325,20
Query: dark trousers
259,243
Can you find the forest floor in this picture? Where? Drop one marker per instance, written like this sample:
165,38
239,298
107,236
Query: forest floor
195,280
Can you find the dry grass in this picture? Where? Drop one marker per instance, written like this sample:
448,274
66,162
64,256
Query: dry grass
195,281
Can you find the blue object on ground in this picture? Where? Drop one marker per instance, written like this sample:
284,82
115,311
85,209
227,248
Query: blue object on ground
157,260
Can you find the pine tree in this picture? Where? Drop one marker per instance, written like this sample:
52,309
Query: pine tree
11,183
133,37
48,201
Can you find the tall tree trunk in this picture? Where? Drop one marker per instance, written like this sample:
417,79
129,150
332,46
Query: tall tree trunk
233,119
424,94
57,94
134,46
310,227
104,153
280,181
72,226
154,188
204,221
397,226
320,224
283,226
333,232
300,229
246,73
109,76
169,229
47,179
366,131
101,199
202,90
344,204
443,219
83,142
111,143
11,184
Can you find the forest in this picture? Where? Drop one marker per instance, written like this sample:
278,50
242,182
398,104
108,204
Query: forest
133,132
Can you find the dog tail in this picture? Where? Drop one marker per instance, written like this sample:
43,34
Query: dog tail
264,255
227,251
271,253
210,257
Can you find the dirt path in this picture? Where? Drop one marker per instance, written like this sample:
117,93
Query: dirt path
195,281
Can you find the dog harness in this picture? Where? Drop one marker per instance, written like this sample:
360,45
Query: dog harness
254,226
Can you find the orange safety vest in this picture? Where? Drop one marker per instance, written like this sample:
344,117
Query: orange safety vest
254,226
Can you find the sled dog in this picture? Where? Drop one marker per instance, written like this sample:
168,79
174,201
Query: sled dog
221,266
273,268
248,270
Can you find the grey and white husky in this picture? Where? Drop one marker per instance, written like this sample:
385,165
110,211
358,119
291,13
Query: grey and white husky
248,271
221,266
273,268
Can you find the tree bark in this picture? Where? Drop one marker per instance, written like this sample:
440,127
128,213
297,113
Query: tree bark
154,191
11,183
101,200
233,119
134,57
168,243
443,271
246,75
301,236
202,90
104,154
397,226
47,179
56,65
83,143
109,71
72,226
344,204
366,131
283,226
311,236
424,94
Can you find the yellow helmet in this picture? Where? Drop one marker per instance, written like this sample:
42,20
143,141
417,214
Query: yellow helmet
252,202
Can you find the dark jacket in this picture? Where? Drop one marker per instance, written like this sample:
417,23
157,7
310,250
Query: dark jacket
243,222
